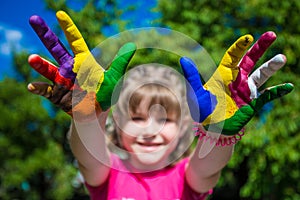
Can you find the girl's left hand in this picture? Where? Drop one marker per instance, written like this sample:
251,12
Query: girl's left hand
236,91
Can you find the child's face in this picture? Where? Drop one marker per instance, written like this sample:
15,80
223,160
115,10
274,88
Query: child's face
150,135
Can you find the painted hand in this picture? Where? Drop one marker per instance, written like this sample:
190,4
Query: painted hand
80,84
238,99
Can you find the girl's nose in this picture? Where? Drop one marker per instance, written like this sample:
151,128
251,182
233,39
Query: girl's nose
152,128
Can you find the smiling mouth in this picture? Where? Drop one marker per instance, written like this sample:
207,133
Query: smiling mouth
149,144
149,147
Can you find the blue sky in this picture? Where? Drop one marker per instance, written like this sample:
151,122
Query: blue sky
15,31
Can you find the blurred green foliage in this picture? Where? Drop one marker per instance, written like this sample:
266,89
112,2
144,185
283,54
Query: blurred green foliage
34,151
37,162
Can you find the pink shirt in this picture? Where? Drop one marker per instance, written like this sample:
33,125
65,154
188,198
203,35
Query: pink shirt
166,184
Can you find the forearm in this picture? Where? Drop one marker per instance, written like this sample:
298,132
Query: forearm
206,164
87,141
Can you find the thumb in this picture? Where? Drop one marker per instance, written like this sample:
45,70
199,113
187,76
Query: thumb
201,102
119,64
113,75
190,72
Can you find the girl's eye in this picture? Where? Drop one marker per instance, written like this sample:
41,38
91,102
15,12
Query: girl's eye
163,120
136,119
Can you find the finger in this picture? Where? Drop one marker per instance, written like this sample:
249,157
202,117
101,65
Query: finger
120,62
256,51
72,33
228,68
48,70
75,39
266,70
236,51
40,88
270,94
113,75
191,73
43,67
54,46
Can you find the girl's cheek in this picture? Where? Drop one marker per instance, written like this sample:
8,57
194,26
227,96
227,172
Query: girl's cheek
130,129
171,131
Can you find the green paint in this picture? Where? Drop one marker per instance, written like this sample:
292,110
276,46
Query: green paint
114,75
244,114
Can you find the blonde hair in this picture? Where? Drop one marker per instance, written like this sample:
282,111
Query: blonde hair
160,85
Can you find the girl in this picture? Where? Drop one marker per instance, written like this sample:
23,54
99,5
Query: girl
152,131
151,119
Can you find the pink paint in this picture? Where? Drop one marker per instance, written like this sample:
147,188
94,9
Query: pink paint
239,88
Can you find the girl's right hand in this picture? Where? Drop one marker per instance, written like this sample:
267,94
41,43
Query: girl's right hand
80,85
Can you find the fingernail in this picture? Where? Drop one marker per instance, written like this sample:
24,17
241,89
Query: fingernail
280,58
30,87
49,90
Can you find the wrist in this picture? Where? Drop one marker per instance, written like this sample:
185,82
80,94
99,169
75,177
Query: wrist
215,138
